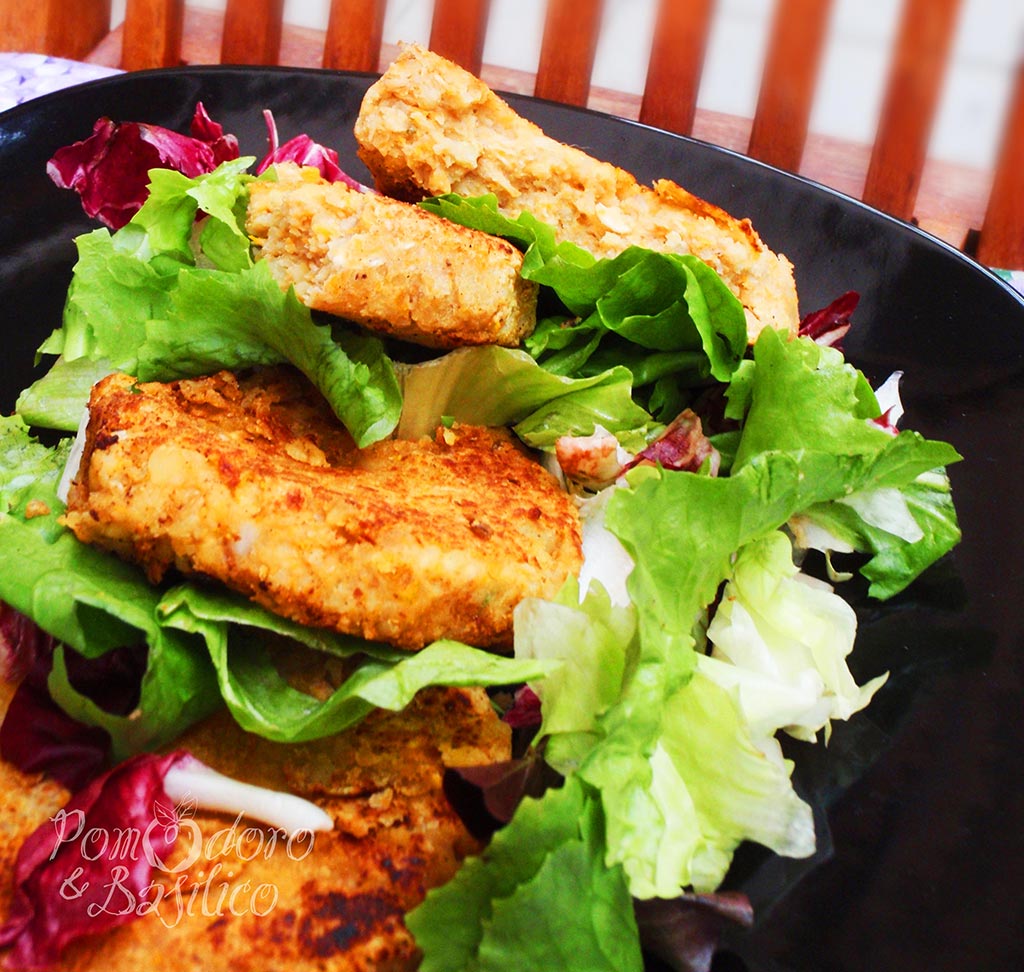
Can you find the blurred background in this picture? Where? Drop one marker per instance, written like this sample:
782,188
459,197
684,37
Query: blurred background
989,41
879,58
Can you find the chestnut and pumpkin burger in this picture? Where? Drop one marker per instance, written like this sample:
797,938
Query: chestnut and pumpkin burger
356,480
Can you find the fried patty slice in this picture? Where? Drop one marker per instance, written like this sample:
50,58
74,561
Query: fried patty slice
254,483
428,127
333,903
389,266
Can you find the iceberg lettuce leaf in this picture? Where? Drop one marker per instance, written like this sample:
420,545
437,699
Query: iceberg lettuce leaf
785,641
500,386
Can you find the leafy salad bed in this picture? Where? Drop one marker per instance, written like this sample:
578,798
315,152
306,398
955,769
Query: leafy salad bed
659,710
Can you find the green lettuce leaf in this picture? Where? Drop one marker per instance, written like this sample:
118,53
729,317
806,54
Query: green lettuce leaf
676,802
231,320
57,400
656,314
540,896
905,530
166,297
29,471
595,643
262,701
498,386
166,227
112,295
805,400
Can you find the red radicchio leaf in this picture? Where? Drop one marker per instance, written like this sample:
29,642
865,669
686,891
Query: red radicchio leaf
682,447
485,797
36,735
89,869
525,711
205,129
829,325
110,169
112,680
304,151
684,932
22,644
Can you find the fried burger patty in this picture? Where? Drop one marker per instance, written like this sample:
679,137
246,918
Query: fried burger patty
389,266
333,904
254,483
428,127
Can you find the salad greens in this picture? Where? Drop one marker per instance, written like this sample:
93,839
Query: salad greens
142,302
660,711
497,910
664,316
501,386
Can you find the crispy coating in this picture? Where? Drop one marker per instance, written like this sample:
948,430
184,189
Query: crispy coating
389,266
428,127
334,904
254,484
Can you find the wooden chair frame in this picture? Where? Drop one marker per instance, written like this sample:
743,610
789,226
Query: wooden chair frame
894,176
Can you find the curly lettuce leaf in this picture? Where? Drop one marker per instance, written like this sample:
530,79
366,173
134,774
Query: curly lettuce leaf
540,896
595,644
166,297
905,530
165,226
676,802
806,400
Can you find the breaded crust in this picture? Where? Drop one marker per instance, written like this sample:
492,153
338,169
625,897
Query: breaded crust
428,127
253,484
388,265
333,904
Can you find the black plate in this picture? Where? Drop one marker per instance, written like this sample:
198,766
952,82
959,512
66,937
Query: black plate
920,799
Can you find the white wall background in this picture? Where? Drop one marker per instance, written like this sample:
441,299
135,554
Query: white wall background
990,38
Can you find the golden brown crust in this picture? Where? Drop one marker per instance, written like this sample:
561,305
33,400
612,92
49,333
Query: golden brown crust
334,903
428,127
389,266
404,541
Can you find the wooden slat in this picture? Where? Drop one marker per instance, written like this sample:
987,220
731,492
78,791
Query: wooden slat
1001,243
788,82
354,31
252,32
23,27
571,30
152,34
676,63
53,28
75,29
908,109
458,30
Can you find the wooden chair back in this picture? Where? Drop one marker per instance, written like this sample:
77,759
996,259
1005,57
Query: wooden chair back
251,33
